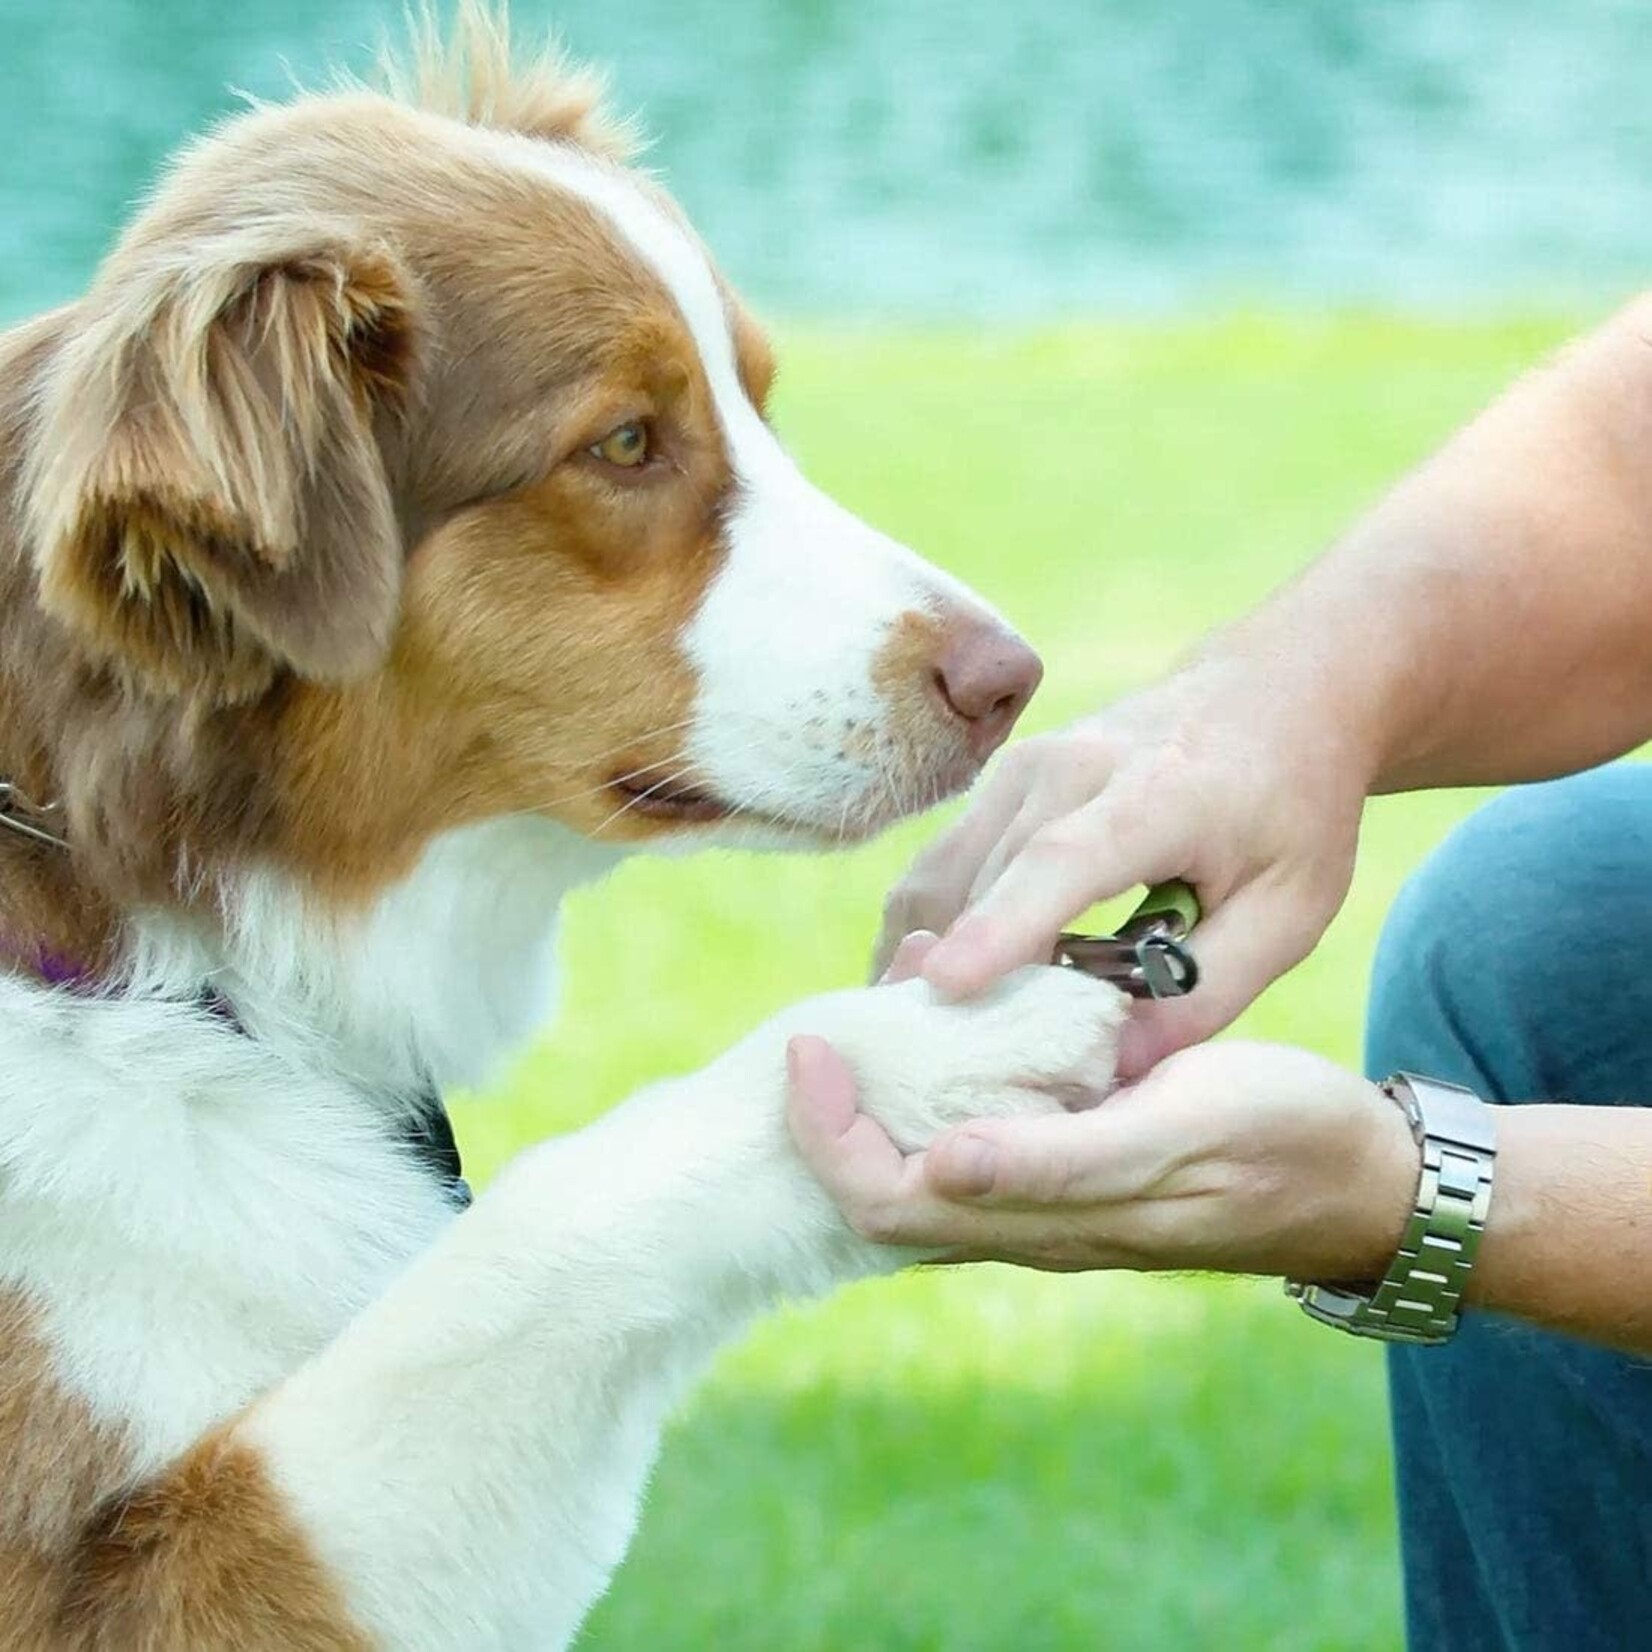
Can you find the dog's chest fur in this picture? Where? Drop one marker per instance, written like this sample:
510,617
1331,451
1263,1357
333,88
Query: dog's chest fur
194,1208
193,1213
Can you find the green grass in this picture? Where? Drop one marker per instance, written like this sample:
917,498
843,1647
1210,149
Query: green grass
985,1459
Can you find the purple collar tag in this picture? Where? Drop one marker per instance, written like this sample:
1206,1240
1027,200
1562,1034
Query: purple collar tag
57,971
53,968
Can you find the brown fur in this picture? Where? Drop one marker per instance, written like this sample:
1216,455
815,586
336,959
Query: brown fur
209,505
280,505
207,1558
908,659
476,74
57,1462
56,1466
204,1557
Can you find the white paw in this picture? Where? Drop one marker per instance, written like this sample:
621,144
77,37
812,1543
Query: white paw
1042,1039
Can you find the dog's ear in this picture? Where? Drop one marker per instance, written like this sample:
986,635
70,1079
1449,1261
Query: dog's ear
208,499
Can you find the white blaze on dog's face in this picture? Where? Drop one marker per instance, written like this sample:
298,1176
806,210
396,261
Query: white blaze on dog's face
840,680
436,455
834,680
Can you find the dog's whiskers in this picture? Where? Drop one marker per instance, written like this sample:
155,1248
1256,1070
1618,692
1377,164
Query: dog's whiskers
642,797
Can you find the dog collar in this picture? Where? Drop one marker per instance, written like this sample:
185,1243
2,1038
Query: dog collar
428,1133
34,821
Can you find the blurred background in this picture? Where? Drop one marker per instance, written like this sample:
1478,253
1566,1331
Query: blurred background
914,158
1120,311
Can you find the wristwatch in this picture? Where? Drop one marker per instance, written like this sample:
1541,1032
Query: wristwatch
1418,1299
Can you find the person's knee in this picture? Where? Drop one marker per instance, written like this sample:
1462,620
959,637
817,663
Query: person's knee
1520,931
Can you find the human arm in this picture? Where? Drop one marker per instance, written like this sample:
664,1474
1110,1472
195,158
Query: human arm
1249,1158
1486,622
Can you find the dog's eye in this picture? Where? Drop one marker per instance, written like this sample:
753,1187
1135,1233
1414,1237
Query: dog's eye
627,446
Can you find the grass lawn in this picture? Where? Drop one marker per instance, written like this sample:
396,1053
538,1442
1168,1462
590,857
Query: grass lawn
983,1459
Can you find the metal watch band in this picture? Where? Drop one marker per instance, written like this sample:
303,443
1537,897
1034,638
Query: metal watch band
1419,1298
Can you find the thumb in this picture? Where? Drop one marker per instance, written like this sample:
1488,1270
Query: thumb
1052,1159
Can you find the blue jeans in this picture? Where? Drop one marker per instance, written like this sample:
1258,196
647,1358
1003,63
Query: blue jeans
1519,961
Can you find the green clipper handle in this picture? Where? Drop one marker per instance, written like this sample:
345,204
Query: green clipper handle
1171,907
1147,958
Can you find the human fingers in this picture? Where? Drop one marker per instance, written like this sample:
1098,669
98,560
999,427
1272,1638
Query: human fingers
1073,773
1031,818
909,957
848,1151
881,1192
1089,855
935,887
878,1188
1101,1156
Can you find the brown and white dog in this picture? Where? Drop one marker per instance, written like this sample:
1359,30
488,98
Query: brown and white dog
390,540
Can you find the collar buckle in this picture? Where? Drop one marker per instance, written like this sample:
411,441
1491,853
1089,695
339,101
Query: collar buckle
18,813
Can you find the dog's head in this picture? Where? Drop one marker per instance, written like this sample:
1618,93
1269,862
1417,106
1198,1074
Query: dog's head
427,449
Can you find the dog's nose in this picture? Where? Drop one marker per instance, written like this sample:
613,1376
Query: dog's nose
986,675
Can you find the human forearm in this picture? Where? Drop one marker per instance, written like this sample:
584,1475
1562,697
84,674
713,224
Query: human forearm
1568,1243
1487,621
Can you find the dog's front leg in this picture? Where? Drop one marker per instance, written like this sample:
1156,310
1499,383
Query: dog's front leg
461,1468
470,1455
467,1459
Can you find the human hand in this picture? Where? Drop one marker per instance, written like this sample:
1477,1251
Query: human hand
1217,775
1237,1157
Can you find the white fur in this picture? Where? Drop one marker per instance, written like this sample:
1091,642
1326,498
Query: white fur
462,1412
193,1213
445,978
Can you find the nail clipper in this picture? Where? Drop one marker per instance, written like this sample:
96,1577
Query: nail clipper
1147,956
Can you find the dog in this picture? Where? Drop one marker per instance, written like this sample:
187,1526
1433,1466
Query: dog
391,539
